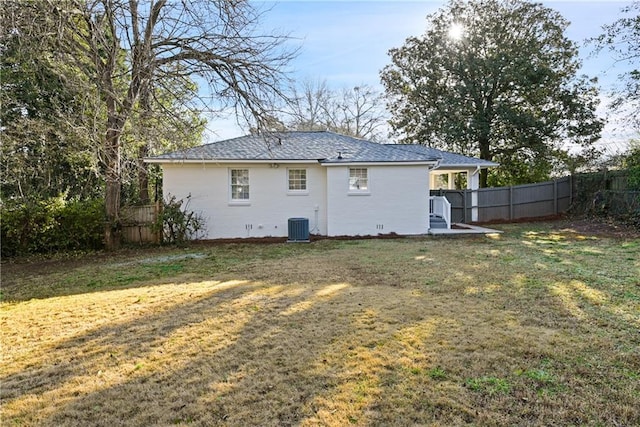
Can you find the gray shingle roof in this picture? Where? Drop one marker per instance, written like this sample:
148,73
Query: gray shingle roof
446,158
325,147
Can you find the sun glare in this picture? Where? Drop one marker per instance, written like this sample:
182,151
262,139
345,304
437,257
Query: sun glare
456,31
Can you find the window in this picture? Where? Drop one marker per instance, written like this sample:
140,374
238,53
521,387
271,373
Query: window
297,179
239,184
358,179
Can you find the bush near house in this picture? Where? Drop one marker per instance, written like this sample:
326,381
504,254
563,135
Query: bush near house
57,224
178,224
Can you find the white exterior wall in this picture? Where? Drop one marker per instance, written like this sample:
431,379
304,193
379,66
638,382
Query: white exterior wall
473,183
397,201
270,203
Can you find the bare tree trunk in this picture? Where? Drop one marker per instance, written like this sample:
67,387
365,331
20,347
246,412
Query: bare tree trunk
143,173
143,151
113,186
485,154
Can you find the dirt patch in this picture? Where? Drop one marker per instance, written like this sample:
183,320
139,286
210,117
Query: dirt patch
312,238
459,227
604,228
599,227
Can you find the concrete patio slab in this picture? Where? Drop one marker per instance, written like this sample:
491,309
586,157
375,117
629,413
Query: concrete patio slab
462,229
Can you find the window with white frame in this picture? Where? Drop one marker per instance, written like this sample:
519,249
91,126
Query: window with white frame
358,179
297,180
239,184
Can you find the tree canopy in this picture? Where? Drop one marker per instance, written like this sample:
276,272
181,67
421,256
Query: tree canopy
623,39
46,149
149,68
498,79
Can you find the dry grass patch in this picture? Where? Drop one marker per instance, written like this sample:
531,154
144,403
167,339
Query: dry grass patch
536,327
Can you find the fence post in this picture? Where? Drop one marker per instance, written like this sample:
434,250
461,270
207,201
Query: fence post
464,205
555,196
510,202
157,212
570,191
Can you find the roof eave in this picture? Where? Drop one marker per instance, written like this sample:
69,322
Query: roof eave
467,165
379,163
155,160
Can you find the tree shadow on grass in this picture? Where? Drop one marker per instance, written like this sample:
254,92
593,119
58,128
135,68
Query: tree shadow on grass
326,351
241,337
139,268
248,354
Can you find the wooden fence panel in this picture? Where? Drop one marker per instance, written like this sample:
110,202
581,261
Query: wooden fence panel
137,224
511,203
494,203
534,200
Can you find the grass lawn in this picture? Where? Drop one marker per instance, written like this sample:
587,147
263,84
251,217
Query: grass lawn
537,326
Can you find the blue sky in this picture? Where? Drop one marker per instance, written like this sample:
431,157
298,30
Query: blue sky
346,42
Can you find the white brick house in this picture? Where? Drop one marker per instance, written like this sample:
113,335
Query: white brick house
250,186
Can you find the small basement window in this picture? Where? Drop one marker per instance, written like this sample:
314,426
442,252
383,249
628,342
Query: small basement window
358,179
239,184
297,180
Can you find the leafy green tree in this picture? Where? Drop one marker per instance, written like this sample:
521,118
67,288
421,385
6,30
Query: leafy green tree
46,150
622,38
494,79
631,162
589,159
52,115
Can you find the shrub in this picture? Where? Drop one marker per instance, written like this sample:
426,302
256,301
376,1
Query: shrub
81,225
51,225
632,164
177,223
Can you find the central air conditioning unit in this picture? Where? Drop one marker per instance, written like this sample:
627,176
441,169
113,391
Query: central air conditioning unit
298,230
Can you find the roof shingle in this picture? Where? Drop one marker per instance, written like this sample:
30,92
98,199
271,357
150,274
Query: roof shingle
324,147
